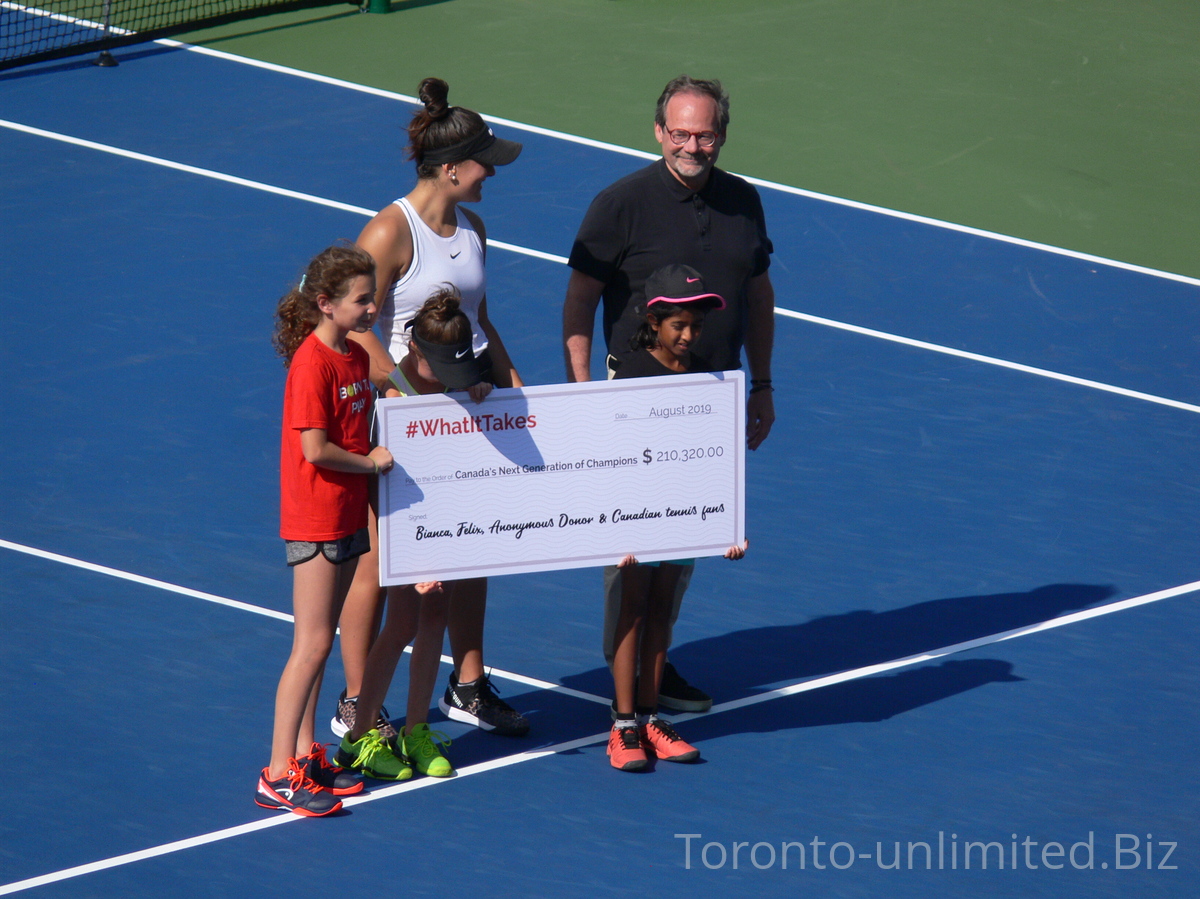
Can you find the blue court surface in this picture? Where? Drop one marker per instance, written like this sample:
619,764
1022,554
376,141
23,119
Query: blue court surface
958,660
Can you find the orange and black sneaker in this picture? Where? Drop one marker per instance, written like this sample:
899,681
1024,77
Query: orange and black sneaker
327,776
625,750
295,792
659,738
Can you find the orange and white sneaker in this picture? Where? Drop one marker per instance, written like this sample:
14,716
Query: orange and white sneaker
625,750
659,738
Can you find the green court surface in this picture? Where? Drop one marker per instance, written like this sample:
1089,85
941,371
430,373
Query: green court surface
1073,123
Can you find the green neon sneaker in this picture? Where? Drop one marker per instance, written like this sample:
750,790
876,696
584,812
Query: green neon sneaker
421,748
373,756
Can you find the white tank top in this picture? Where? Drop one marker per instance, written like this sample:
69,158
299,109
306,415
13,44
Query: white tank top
436,260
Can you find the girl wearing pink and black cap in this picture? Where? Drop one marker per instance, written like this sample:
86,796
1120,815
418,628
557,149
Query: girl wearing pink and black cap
675,306
674,311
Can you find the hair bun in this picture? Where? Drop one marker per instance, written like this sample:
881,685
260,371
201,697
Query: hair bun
444,302
433,93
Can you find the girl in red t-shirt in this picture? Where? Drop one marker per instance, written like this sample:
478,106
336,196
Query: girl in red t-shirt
325,458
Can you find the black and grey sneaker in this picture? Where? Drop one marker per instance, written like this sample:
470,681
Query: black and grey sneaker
343,722
477,703
676,693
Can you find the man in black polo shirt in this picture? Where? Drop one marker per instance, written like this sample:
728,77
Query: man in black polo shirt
682,210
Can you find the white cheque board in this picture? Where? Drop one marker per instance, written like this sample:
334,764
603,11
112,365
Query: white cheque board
562,476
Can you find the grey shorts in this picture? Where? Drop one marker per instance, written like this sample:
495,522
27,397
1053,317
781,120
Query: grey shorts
336,551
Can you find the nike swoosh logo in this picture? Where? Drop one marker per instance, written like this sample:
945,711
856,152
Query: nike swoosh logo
692,280
455,255
461,353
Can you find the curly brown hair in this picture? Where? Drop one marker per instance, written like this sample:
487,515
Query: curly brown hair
329,274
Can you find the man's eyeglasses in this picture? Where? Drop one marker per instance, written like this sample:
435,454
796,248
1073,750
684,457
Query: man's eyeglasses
706,139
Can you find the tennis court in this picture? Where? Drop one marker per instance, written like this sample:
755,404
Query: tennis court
967,615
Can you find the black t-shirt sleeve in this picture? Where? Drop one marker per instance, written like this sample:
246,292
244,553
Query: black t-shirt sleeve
599,244
762,253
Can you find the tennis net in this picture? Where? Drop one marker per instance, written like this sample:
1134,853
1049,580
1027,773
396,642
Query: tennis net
67,27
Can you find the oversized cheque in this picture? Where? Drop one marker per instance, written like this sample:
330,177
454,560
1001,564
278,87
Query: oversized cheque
562,476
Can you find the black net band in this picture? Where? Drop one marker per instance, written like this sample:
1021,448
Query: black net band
68,27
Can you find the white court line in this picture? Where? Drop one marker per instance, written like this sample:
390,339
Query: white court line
60,17
139,579
989,360
550,257
553,749
642,154
285,818
240,182
183,167
953,649
261,610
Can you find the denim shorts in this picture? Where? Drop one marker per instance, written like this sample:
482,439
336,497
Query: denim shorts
336,551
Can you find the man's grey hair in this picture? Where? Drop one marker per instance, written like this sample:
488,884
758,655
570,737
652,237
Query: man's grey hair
685,84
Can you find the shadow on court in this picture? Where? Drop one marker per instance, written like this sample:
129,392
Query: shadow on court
749,661
868,700
557,718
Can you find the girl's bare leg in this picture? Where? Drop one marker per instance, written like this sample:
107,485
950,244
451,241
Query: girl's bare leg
319,587
656,632
427,653
635,583
399,629
468,607
362,612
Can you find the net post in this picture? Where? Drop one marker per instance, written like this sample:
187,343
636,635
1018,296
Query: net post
379,6
105,59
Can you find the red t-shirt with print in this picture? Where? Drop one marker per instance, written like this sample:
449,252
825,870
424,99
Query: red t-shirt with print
331,391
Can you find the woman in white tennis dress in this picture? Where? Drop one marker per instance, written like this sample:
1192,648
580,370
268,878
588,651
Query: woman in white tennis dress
419,243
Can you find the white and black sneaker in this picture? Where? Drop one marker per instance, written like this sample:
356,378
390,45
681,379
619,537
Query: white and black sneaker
477,703
343,721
